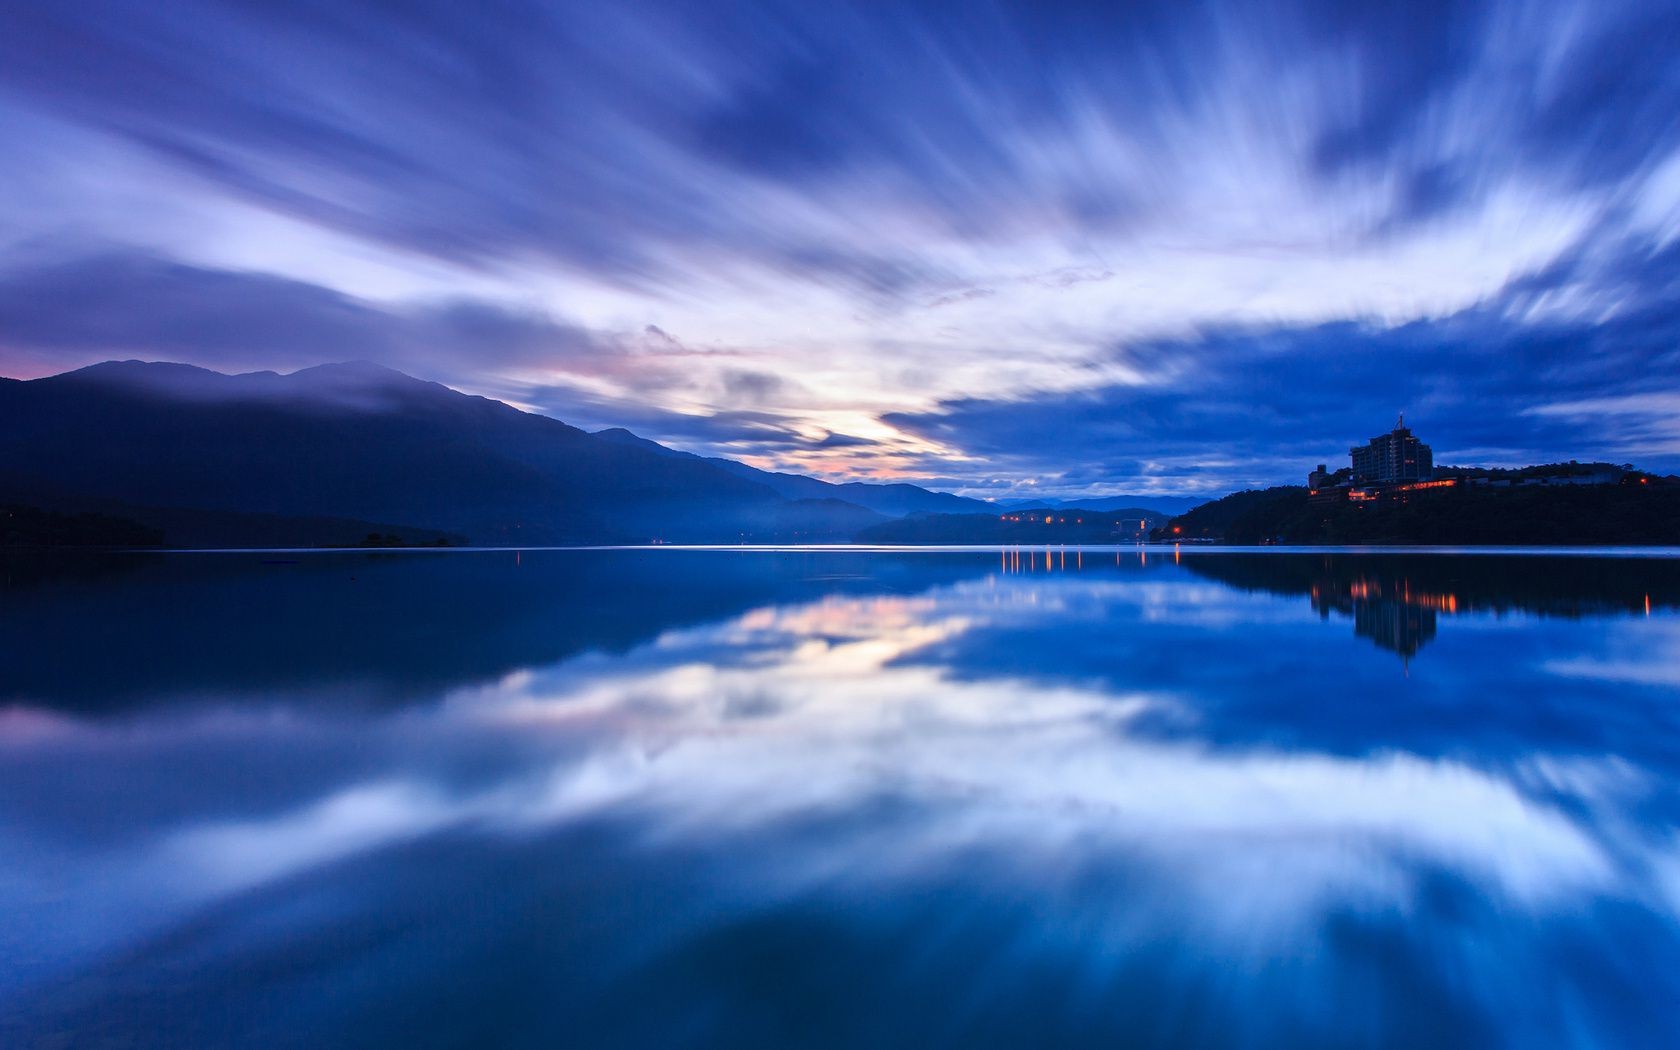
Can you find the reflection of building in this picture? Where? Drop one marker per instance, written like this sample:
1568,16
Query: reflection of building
1394,624
1435,588
1392,615
1394,456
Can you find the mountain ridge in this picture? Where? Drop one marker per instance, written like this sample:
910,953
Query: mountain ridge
890,498
357,442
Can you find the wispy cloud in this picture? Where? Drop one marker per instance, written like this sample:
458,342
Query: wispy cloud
875,221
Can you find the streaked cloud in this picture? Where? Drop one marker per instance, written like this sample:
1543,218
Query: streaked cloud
892,224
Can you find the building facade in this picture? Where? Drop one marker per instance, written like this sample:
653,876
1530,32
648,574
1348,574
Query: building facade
1394,456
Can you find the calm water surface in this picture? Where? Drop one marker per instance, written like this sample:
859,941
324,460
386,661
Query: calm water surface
677,798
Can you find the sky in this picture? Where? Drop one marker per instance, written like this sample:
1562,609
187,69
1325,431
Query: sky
1002,249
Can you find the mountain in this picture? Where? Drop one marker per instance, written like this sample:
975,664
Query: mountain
892,500
33,527
1159,504
331,449
354,441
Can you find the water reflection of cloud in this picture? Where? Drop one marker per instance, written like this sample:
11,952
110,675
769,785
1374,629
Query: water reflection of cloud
1003,737
222,857
840,723
1646,654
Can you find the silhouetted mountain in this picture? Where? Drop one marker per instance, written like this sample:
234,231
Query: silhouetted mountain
327,455
33,527
1166,505
358,444
821,521
892,500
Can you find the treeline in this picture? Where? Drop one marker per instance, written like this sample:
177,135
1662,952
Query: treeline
32,527
1577,515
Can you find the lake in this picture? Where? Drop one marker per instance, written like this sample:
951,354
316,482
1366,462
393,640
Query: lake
811,798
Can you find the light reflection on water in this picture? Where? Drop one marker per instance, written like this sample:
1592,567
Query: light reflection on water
673,798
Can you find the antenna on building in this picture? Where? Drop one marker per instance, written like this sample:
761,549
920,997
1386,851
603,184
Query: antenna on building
1400,424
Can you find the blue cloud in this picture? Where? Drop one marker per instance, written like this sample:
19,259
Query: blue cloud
984,203
604,136
123,303
1256,405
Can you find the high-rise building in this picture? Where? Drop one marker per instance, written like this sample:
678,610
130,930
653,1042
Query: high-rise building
1394,456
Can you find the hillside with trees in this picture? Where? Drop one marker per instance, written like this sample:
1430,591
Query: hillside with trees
1643,512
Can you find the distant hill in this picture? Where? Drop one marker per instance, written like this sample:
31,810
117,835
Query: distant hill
33,527
893,500
1634,514
1158,504
1124,525
348,449
329,455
